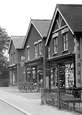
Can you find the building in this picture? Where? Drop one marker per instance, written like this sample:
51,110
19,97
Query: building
34,46
15,59
64,51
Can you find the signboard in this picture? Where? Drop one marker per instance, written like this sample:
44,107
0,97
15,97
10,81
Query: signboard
22,58
21,63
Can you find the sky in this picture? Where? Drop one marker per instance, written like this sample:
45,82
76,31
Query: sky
15,15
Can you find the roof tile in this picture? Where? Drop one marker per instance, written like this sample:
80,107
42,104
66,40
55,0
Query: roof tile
42,26
18,41
73,15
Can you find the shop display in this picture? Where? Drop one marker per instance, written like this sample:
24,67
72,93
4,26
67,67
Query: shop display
54,80
69,75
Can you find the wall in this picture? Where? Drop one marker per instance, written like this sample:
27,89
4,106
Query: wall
12,51
32,38
20,68
60,44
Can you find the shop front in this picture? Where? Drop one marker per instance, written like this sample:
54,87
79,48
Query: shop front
34,76
60,76
66,67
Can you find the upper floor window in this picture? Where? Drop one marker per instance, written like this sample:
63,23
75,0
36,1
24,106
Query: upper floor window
64,32
14,58
40,48
55,41
11,60
28,53
65,40
36,50
48,52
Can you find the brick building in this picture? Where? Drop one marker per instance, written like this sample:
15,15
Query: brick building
34,46
63,60
15,54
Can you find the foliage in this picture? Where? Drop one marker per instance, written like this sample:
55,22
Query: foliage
4,44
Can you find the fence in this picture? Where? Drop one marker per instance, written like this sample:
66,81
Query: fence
69,99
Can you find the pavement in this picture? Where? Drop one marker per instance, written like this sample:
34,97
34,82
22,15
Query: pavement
28,103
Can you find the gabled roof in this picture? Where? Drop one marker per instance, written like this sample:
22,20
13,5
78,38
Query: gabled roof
41,26
17,41
72,15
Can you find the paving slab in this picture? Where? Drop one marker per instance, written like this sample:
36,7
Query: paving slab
29,106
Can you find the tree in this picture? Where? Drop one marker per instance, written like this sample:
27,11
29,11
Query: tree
4,44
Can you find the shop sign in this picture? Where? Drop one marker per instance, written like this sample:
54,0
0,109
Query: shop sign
22,58
21,63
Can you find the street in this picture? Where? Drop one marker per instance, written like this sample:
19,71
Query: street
5,109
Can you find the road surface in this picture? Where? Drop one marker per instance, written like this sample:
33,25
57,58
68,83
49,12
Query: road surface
6,109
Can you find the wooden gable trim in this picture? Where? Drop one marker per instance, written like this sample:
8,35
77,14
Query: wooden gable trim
59,29
28,46
66,22
55,35
64,30
57,10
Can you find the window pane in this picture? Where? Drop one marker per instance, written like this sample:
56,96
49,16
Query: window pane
28,54
69,75
55,45
65,37
36,50
54,80
40,48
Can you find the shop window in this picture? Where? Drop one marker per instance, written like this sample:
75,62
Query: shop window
40,48
54,80
34,75
36,50
69,75
65,41
55,41
28,78
62,76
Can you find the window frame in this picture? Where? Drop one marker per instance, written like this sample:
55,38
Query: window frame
55,45
28,53
36,50
65,41
40,48
64,32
